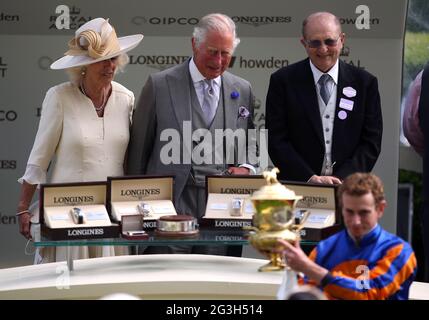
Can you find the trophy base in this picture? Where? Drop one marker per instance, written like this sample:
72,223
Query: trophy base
270,267
276,263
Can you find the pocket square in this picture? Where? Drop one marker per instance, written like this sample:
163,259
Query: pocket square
243,112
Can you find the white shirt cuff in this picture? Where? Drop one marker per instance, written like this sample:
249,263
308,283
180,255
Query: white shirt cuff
248,166
33,175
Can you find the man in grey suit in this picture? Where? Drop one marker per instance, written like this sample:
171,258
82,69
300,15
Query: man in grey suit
181,111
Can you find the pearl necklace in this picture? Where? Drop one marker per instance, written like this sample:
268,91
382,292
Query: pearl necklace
101,107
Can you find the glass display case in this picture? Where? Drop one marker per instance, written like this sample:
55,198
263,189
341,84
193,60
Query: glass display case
213,237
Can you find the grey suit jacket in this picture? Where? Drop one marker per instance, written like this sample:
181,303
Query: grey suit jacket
165,103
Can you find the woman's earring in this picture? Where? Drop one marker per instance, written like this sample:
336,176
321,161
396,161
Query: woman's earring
83,72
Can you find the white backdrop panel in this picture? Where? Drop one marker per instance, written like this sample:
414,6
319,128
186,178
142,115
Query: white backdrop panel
269,31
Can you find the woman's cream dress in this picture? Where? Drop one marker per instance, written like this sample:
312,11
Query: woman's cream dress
79,146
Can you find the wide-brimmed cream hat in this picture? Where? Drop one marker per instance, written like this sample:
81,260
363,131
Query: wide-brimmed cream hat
95,41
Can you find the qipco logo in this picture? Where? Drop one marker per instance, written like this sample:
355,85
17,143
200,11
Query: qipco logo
8,115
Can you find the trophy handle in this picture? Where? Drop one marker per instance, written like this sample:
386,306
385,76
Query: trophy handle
250,228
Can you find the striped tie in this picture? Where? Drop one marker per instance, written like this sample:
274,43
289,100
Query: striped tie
324,91
209,104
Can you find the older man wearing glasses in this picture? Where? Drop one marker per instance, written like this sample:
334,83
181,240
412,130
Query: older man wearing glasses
323,116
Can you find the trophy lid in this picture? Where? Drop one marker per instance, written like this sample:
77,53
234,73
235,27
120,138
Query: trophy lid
274,190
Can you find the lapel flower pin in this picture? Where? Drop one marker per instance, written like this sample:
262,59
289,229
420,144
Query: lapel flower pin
243,113
234,95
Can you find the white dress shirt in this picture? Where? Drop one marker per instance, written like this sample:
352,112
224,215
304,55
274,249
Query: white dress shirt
200,85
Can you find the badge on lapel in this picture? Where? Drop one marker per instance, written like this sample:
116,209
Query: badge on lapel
349,92
346,104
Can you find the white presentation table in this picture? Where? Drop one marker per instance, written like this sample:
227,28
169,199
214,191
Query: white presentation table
151,277
147,276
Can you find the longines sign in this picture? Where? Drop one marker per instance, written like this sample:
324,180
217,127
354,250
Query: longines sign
257,21
232,223
85,232
139,193
237,190
8,164
74,200
160,62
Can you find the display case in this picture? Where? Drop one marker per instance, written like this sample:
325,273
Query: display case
147,196
222,223
75,211
324,217
223,192
206,237
228,201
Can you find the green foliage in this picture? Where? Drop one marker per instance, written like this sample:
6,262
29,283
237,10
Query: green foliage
416,52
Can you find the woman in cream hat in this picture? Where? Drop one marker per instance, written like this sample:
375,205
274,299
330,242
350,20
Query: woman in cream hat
84,125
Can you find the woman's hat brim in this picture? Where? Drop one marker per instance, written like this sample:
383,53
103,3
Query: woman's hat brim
125,43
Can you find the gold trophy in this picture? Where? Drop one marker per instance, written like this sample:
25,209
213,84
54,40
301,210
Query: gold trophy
274,219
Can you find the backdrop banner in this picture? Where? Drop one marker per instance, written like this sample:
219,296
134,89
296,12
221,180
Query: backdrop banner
269,30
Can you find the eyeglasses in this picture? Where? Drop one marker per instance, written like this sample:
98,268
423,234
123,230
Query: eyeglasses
318,43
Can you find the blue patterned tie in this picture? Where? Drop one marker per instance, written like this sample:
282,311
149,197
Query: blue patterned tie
324,91
209,104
